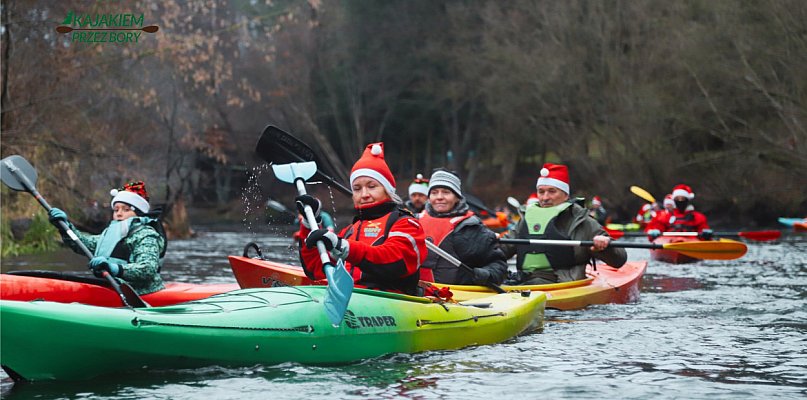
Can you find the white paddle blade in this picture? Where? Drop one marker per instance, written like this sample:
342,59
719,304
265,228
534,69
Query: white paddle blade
290,172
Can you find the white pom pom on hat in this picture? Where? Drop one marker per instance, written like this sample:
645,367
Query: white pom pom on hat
544,172
375,150
113,192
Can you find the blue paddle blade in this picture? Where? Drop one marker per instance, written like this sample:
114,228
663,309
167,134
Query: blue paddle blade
340,288
290,172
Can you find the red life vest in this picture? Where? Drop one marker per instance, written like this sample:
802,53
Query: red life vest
437,229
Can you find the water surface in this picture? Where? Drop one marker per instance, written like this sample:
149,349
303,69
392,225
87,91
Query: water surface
714,329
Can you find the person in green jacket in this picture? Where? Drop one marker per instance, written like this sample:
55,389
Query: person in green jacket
557,217
131,247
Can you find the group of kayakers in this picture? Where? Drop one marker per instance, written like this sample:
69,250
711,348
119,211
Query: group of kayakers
385,246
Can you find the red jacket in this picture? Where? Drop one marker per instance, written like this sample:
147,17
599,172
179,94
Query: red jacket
385,252
687,221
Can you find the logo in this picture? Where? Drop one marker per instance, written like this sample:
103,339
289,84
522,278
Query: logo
356,322
372,229
104,28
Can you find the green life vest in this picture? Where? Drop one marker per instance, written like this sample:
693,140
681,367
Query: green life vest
540,223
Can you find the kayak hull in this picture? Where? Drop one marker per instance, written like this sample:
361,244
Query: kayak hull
605,285
670,256
245,328
27,288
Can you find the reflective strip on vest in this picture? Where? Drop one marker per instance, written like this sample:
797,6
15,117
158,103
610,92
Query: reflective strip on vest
411,240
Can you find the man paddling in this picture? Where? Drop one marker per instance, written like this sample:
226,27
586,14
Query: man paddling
418,195
554,216
683,217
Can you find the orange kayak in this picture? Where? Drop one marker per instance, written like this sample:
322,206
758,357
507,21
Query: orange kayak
603,285
65,288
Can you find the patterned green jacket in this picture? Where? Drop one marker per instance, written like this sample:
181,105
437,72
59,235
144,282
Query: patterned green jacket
145,246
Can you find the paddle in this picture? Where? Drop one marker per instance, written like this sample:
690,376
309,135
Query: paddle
760,236
276,145
643,194
18,174
340,283
708,250
457,263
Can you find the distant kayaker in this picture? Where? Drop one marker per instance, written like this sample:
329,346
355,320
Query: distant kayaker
597,211
418,195
450,224
683,218
669,204
556,217
131,247
646,214
384,246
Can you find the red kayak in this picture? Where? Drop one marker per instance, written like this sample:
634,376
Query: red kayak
64,288
670,256
603,285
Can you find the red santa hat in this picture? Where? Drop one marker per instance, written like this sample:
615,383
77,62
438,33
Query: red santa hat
596,201
532,199
133,194
683,190
419,185
372,164
668,201
556,175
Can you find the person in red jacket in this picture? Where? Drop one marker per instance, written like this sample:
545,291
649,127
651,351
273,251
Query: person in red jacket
384,246
683,217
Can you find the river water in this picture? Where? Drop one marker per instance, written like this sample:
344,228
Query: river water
714,329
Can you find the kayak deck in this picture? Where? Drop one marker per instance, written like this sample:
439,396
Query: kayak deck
248,327
84,290
605,285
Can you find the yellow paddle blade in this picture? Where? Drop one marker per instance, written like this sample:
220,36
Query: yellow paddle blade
710,250
642,193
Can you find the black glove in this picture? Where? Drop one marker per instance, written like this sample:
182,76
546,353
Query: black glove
706,234
314,203
481,276
339,248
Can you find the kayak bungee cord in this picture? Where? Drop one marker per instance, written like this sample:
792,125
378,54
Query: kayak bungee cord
475,318
141,323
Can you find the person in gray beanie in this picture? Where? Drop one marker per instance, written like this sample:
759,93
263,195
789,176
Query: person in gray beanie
451,225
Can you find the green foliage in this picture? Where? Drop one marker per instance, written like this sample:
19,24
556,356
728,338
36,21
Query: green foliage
41,237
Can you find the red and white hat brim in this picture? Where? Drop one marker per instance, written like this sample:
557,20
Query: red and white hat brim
132,199
553,182
375,175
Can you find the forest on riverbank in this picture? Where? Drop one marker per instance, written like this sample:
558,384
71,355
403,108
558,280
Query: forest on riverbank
649,93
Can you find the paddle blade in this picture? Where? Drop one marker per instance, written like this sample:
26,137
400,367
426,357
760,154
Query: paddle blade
643,194
710,250
279,147
340,288
13,169
761,236
290,172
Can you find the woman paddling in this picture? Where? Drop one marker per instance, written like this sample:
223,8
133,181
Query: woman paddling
451,225
131,247
384,246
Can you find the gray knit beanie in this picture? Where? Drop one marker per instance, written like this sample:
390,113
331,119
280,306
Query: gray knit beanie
446,179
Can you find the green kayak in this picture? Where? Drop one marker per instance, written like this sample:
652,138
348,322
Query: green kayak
55,341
